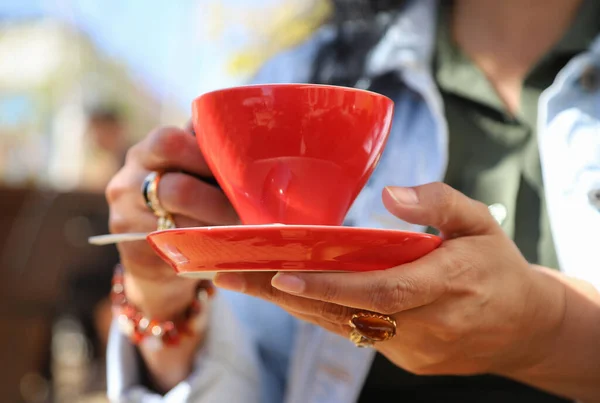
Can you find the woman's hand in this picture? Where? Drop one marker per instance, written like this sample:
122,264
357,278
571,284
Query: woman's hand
191,201
474,305
150,283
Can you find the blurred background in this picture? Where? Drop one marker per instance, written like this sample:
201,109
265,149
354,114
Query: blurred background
80,81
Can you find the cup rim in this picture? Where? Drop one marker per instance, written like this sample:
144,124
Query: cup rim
283,85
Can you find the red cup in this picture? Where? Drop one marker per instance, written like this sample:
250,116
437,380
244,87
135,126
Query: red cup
292,153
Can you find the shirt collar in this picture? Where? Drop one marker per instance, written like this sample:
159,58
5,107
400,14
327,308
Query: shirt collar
410,41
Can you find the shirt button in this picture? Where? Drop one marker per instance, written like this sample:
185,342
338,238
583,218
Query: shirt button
335,373
594,198
499,212
590,79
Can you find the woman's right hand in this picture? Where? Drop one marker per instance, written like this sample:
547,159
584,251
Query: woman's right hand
149,282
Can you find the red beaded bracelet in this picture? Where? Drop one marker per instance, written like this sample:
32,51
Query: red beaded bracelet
152,333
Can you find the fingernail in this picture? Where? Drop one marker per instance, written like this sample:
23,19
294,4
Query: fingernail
288,283
403,195
230,281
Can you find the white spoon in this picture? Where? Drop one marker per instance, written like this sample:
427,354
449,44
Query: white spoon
109,239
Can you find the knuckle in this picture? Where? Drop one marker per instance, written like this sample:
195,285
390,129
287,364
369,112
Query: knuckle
166,143
464,273
132,153
387,297
118,224
445,194
115,188
329,292
176,188
457,264
479,206
275,296
482,210
451,328
441,197
393,295
333,312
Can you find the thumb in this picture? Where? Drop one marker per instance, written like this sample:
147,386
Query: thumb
442,207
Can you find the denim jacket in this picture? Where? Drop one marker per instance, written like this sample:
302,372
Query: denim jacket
255,352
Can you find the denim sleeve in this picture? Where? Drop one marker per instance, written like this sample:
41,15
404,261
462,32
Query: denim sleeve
570,150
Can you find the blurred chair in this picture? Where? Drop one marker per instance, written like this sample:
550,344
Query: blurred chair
44,257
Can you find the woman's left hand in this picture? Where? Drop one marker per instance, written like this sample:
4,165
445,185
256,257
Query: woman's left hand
474,305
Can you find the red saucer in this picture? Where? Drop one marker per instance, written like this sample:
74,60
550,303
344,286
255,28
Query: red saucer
195,251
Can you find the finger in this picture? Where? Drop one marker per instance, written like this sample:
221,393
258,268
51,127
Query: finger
415,346
259,285
385,291
190,200
168,149
184,195
129,214
330,317
128,218
139,255
125,217
439,206
336,328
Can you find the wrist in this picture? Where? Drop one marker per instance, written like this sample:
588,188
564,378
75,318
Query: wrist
164,300
541,326
152,331
568,360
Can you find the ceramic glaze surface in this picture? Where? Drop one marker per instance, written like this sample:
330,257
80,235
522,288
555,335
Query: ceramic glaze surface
289,248
292,154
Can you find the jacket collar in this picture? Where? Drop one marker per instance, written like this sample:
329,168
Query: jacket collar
595,48
409,43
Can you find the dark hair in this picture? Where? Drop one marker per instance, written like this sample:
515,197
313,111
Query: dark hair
359,25
106,114
346,10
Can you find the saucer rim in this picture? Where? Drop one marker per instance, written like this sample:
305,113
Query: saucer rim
249,227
